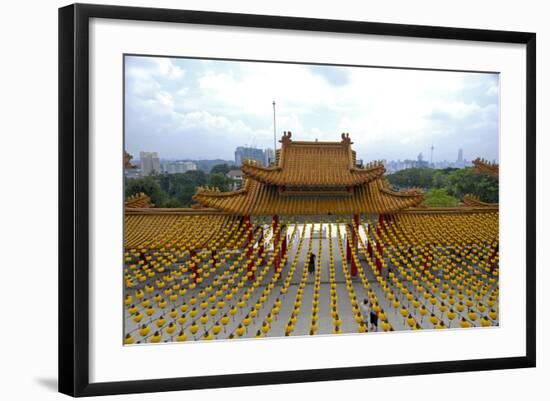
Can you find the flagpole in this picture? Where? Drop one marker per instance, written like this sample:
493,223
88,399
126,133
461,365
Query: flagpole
274,134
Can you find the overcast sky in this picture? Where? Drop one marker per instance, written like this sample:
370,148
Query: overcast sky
203,109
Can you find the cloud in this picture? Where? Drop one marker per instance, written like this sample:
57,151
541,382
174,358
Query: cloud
185,108
149,67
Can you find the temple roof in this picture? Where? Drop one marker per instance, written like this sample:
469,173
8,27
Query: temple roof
314,163
256,198
474,201
139,200
485,167
311,178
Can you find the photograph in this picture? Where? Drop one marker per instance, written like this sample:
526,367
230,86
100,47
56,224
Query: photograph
275,199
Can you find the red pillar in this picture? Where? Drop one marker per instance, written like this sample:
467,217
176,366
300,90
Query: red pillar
249,246
378,265
348,252
248,225
380,224
379,230
283,246
276,242
353,269
369,247
354,242
261,244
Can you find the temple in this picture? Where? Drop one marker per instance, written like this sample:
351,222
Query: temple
485,167
314,244
311,178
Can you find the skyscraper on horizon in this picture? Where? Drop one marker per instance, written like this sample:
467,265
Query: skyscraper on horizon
249,153
178,167
269,156
150,162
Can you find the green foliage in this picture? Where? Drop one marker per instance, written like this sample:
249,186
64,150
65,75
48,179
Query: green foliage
412,177
467,181
443,187
439,198
176,190
149,186
173,202
456,182
220,181
207,165
440,178
182,186
222,168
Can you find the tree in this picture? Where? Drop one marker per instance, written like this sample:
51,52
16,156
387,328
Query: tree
439,198
149,186
219,181
222,168
412,177
173,202
440,179
457,182
467,181
198,176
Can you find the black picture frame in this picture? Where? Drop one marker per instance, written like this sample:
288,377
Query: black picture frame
74,198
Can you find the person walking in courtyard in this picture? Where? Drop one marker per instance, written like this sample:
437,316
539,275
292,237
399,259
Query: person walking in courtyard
311,264
365,311
374,320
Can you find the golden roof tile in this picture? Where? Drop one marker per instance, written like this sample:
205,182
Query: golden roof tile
314,163
256,198
472,200
139,200
485,167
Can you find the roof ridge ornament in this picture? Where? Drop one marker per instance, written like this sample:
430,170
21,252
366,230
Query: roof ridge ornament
286,137
346,139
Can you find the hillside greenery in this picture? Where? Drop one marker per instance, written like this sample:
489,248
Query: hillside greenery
442,188
454,183
177,190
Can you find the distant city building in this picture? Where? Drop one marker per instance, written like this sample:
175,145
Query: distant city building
190,166
460,162
396,165
175,167
420,162
132,173
269,156
150,162
248,153
237,177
